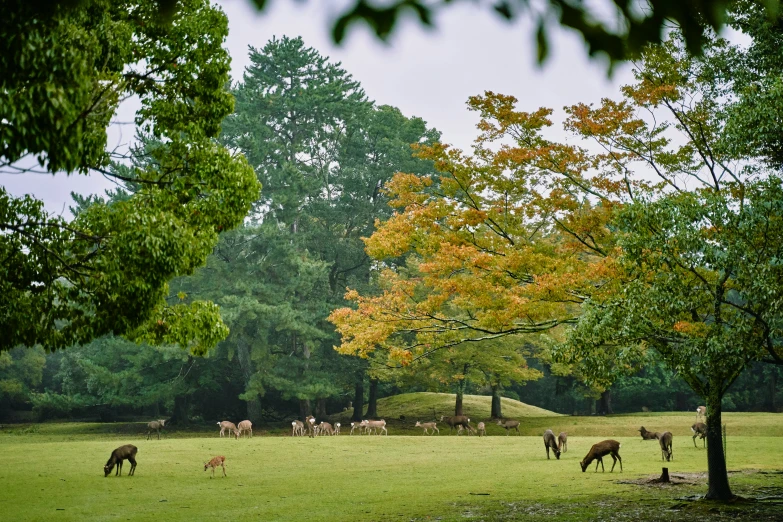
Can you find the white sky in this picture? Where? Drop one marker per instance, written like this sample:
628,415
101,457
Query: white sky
425,73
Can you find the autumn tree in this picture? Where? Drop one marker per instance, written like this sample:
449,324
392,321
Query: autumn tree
658,233
107,270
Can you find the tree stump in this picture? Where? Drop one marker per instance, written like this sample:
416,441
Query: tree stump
664,475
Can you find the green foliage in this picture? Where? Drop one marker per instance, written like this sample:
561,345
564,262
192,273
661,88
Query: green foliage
106,271
21,371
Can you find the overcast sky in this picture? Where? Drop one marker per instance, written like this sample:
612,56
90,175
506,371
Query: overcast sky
425,73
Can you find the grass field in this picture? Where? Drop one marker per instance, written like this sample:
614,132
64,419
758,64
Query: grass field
54,472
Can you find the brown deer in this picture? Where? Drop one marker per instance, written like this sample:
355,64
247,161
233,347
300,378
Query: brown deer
245,425
428,426
226,425
701,411
220,460
310,423
456,420
551,442
665,440
155,426
600,450
699,430
648,435
325,428
562,442
481,429
509,424
127,452
377,426
297,428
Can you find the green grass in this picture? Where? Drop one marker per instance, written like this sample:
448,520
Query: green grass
46,476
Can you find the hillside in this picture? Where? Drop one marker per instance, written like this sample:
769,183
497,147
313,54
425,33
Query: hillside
425,406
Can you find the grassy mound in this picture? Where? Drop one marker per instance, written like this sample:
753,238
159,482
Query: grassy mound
425,406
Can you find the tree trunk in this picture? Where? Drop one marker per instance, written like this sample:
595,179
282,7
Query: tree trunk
604,404
304,408
358,399
718,478
372,400
320,408
773,389
180,416
245,364
458,404
496,412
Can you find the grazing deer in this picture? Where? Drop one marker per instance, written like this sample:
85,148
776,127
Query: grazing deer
326,428
600,450
665,440
127,452
481,429
508,425
551,442
310,423
562,442
428,426
220,460
245,425
699,430
456,420
225,425
701,411
297,428
155,426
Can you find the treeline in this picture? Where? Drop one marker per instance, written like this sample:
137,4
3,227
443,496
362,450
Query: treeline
114,379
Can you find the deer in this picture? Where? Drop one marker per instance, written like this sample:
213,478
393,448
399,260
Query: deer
337,428
325,427
428,426
379,426
701,411
648,435
508,425
127,452
699,430
456,420
600,450
551,442
310,423
226,425
481,429
470,429
562,442
220,460
155,426
245,425
357,425
297,428
665,440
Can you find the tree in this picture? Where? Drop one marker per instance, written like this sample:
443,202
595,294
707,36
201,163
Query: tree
322,151
618,36
106,271
21,372
665,239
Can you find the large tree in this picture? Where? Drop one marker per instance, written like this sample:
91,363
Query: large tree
62,78
322,151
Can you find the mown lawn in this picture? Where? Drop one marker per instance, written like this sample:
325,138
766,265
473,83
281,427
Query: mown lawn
45,476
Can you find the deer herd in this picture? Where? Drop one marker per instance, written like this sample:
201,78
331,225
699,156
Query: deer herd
309,427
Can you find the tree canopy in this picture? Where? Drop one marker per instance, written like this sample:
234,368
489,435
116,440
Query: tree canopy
106,270
618,29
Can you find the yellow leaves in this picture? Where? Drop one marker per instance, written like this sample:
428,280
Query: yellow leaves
691,329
